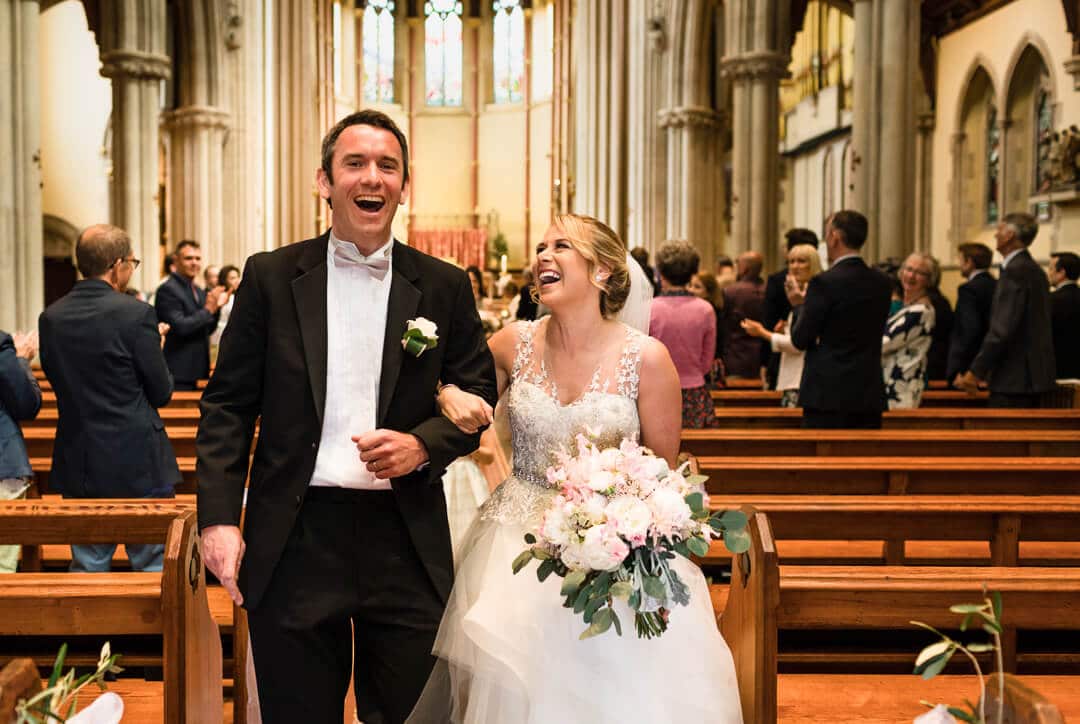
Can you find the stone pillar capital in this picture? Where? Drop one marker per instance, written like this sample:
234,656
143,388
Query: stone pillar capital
764,64
1072,67
690,117
134,64
196,117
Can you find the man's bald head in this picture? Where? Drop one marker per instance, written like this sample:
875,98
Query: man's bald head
98,249
750,265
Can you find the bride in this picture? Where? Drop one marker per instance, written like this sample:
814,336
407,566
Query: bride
508,651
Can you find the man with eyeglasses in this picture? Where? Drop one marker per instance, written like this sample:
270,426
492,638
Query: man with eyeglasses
101,350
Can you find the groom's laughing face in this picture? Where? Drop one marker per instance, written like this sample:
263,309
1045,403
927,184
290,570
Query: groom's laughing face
367,185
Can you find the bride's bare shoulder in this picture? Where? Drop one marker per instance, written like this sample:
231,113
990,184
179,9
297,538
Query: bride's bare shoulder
504,344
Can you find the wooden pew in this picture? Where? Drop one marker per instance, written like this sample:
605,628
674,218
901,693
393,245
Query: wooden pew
892,475
42,466
771,398
924,418
892,443
180,399
182,416
171,604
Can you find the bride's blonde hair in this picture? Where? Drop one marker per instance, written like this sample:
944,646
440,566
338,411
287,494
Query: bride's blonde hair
601,247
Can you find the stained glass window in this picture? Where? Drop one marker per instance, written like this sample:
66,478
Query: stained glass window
379,51
509,45
443,52
993,164
1044,132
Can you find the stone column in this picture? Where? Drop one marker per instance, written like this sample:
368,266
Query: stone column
22,276
196,176
756,57
924,181
132,42
650,35
886,45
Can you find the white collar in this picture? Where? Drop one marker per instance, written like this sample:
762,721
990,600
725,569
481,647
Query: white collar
1065,283
350,248
1007,259
977,272
844,257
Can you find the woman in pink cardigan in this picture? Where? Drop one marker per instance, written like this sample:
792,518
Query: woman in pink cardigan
686,325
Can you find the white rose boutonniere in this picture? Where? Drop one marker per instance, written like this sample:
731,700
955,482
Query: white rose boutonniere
419,336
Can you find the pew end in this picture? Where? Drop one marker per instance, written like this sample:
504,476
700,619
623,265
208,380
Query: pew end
1023,705
748,621
18,680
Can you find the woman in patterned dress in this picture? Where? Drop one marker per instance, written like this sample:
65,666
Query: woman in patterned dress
907,337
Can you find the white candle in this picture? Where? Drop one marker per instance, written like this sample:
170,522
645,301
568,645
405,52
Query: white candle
502,264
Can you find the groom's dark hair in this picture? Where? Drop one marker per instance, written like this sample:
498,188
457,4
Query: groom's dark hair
366,117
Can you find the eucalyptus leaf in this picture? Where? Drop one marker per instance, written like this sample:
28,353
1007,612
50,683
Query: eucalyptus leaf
593,606
654,587
621,589
696,501
696,480
530,538
545,569
932,651
522,560
737,541
732,519
582,599
572,582
698,546
935,666
616,622
601,622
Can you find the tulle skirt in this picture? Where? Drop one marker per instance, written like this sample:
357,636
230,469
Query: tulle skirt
510,653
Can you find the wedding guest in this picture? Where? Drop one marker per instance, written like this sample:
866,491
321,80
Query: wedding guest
908,334
687,327
211,274
230,281
192,315
743,300
777,307
937,359
803,263
476,278
704,286
725,272
20,399
973,300
641,256
1065,313
526,307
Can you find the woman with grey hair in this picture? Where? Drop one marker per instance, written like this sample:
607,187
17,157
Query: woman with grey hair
908,334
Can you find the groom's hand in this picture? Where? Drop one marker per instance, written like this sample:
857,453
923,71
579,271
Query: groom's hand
223,548
390,454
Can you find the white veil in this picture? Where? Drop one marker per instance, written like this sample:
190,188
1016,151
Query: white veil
636,310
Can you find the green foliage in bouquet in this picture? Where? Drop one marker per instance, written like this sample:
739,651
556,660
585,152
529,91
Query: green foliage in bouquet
645,580
932,659
57,701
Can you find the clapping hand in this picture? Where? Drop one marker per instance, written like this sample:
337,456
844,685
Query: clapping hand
216,299
26,344
796,293
754,328
467,411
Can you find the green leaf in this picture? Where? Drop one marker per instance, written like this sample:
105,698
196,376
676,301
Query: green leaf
992,627
935,666
979,648
928,627
522,560
634,601
530,538
995,602
602,584
601,622
966,622
698,546
737,541
582,599
615,620
572,582
963,715
696,501
733,519
621,589
545,569
58,666
696,480
932,651
967,608
594,606
654,587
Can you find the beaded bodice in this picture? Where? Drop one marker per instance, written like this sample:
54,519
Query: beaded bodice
541,426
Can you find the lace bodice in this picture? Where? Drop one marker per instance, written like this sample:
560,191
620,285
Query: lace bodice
540,425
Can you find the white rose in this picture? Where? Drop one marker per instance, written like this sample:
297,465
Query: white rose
426,327
556,526
631,517
669,511
591,509
603,549
573,557
601,480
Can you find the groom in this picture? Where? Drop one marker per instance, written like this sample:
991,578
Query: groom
345,541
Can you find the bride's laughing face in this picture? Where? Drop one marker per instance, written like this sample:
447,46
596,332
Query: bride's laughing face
561,272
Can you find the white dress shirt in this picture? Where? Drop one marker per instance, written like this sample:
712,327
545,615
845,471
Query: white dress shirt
1009,256
356,302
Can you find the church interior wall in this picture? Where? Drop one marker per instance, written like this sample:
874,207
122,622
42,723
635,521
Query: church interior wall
76,103
998,39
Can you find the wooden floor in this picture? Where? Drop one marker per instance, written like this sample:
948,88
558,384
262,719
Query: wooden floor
867,699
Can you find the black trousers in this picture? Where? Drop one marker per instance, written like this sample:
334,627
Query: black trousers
1002,400
349,581
817,419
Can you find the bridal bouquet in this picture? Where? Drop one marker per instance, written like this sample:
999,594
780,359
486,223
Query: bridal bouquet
620,518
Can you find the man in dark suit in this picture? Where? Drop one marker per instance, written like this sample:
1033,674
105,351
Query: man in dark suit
191,313
101,350
777,307
839,321
1065,313
1017,354
973,300
346,541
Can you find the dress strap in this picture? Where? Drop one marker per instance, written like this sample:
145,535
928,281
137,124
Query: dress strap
523,354
627,373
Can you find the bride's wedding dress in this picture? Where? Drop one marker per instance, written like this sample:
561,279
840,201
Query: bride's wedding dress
508,651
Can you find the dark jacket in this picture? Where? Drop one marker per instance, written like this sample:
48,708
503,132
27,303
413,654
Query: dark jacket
742,353
937,358
840,326
187,345
1017,354
20,399
1065,311
972,319
272,367
777,308
526,306
102,353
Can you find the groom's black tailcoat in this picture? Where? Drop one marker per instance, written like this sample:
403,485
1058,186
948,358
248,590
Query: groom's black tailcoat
271,368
